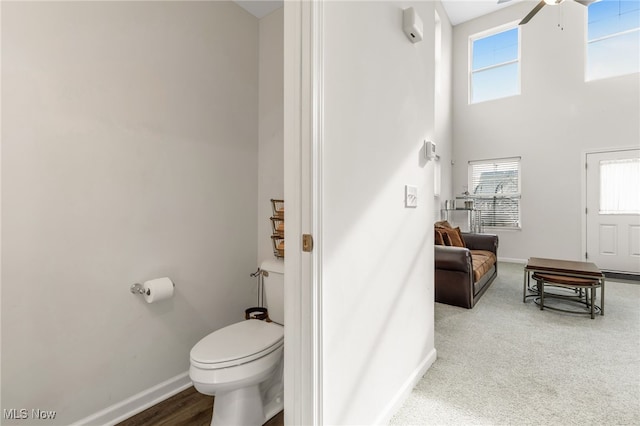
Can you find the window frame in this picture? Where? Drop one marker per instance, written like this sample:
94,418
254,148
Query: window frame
618,190
514,195
470,72
587,42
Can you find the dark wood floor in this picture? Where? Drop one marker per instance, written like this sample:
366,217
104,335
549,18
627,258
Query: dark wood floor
188,408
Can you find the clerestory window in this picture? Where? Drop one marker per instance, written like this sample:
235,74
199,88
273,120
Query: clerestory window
494,70
613,38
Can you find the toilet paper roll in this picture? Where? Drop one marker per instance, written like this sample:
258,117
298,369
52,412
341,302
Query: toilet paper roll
158,289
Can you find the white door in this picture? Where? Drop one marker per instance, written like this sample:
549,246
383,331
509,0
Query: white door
302,164
613,210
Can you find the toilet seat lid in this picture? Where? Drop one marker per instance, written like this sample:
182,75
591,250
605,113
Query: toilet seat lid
237,342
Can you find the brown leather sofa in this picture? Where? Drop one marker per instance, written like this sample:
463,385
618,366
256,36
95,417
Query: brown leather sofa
463,274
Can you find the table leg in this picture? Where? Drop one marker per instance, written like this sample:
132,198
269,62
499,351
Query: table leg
602,297
541,292
524,286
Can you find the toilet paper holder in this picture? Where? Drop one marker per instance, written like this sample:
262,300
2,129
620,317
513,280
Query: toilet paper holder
137,288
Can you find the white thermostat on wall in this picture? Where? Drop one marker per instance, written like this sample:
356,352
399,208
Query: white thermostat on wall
412,24
429,150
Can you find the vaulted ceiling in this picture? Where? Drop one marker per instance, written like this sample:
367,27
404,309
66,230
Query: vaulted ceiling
458,10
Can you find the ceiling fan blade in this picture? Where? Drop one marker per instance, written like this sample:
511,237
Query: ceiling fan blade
585,2
532,13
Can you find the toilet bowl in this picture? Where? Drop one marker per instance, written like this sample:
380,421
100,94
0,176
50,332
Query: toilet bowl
242,364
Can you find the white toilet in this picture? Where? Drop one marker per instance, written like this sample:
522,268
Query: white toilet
242,364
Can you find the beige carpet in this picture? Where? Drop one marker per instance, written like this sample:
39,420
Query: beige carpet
508,363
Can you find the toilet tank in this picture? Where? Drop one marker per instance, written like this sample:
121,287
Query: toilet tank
274,289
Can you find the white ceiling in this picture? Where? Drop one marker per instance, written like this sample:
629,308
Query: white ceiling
260,8
458,10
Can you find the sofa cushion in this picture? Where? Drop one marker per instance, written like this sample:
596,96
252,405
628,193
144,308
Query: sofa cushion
445,238
482,261
443,224
439,241
455,236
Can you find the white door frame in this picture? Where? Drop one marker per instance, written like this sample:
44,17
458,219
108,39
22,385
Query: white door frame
303,124
583,205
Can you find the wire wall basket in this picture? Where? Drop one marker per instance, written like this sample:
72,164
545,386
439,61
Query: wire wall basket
277,225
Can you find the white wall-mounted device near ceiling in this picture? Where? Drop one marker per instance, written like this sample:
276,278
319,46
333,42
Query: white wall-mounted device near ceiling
412,25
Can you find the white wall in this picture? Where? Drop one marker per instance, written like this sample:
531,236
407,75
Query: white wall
129,152
377,304
551,124
443,111
271,126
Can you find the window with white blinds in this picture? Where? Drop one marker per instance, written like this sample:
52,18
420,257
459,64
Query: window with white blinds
494,186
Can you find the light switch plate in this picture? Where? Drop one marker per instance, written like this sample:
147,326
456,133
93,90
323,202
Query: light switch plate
410,196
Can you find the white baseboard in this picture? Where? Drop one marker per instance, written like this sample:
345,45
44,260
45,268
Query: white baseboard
405,390
138,402
512,260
